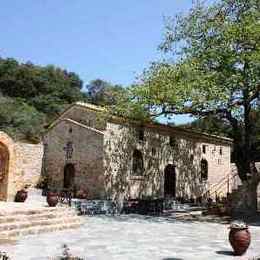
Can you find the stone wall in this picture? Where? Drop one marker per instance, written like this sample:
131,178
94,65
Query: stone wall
29,164
20,164
186,154
103,156
89,117
85,153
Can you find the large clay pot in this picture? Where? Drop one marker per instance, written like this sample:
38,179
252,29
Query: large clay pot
240,240
21,196
52,199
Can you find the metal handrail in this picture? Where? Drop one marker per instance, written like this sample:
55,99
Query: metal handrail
220,184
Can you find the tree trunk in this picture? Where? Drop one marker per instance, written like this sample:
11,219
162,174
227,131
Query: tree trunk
244,199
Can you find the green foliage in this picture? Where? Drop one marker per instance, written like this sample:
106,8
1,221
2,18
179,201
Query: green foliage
34,95
48,89
212,125
103,93
118,100
215,70
20,120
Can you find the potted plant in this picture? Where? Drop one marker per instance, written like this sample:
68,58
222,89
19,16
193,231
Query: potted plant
239,237
66,255
21,195
81,194
52,198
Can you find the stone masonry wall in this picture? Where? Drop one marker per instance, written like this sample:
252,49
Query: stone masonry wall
22,166
106,152
86,117
86,155
28,164
121,140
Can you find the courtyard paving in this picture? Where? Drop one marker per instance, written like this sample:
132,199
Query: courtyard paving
135,238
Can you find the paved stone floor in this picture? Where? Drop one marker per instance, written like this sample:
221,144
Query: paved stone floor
135,238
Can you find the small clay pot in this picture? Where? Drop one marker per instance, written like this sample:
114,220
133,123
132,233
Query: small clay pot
52,199
21,196
240,240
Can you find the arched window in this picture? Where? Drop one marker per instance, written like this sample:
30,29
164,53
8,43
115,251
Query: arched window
204,169
138,165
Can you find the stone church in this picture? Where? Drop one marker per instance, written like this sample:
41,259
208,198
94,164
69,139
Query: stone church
114,158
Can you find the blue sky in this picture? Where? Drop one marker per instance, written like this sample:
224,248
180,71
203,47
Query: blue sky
112,40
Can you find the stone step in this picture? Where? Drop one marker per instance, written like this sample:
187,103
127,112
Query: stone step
26,211
40,216
16,233
17,219
42,222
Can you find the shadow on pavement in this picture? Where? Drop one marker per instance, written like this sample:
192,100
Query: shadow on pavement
172,258
225,253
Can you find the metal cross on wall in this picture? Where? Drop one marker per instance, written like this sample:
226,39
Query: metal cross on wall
69,150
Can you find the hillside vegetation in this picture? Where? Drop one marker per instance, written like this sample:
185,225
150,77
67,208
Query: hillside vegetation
31,96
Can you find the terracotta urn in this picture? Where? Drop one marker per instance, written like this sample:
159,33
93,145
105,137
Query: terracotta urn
52,199
21,196
239,238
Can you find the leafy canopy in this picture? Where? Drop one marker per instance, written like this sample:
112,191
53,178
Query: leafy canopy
217,61
33,95
212,68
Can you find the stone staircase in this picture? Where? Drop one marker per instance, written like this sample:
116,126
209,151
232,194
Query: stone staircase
19,219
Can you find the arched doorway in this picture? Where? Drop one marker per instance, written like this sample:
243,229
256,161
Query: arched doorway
138,164
4,165
170,181
204,170
69,174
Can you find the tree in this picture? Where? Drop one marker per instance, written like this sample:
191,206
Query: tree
20,120
212,125
103,93
49,89
215,70
31,96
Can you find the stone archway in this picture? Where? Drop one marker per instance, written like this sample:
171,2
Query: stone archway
4,168
8,179
170,181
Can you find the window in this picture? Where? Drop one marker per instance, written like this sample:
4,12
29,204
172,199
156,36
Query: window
172,141
204,169
204,149
138,165
68,150
220,150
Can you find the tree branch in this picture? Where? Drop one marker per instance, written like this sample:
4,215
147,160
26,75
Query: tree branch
190,111
255,95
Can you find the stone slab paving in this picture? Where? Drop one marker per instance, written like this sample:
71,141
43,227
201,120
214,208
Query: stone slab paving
134,238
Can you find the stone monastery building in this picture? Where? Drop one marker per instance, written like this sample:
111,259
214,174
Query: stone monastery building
117,159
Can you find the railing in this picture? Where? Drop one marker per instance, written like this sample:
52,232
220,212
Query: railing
64,197
215,188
